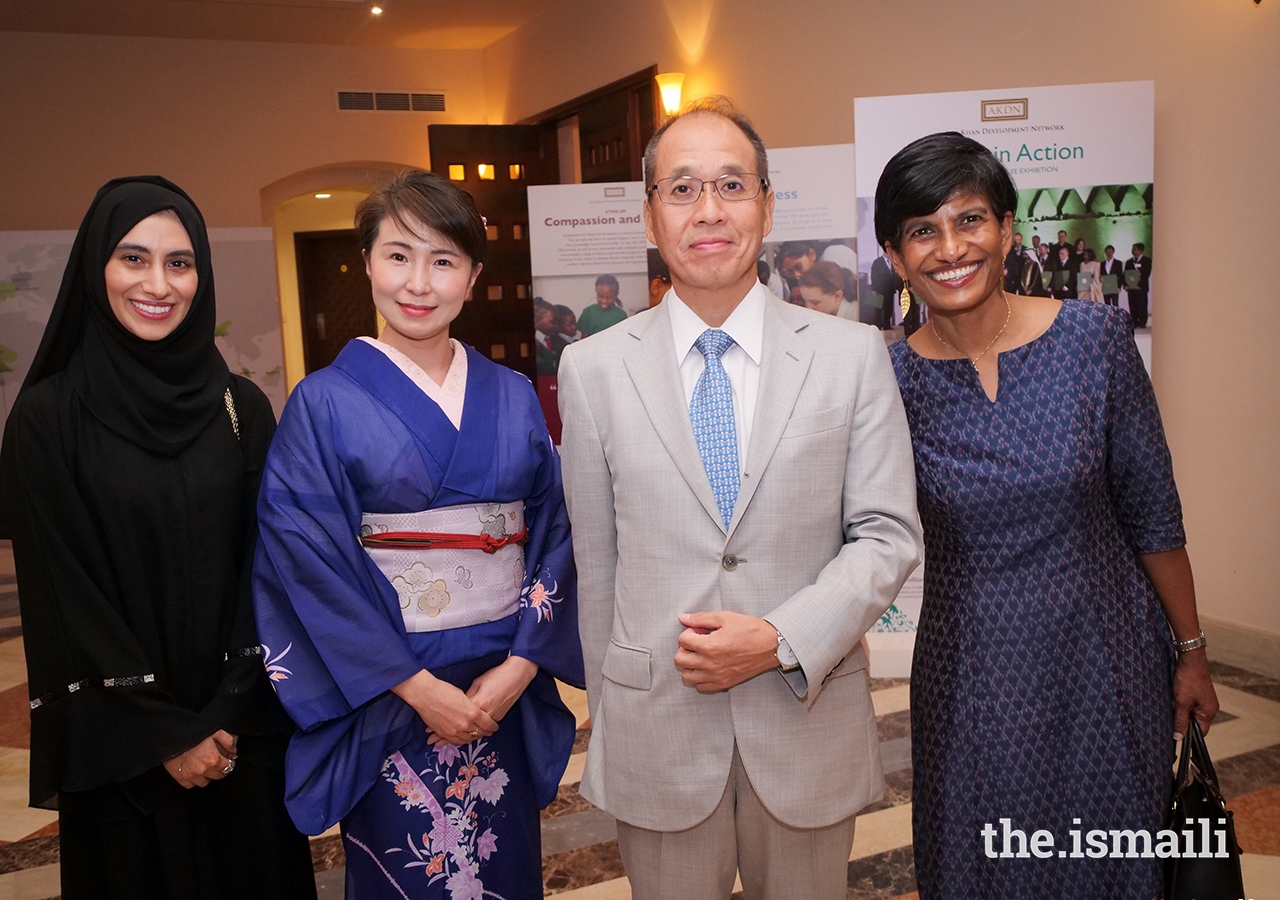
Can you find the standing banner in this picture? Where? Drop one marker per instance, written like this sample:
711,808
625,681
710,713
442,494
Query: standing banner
1082,159
814,221
589,270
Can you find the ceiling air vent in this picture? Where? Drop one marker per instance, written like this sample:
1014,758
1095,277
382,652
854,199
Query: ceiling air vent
392,101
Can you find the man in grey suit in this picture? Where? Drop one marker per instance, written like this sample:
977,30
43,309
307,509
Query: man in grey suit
740,482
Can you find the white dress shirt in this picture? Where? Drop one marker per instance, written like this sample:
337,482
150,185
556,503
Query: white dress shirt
742,364
741,361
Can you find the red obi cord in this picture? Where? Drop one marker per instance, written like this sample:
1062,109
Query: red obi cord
428,540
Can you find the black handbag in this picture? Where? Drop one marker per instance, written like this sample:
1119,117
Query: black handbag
1196,797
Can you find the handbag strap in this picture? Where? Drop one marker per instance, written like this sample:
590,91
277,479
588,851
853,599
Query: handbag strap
1200,750
1196,753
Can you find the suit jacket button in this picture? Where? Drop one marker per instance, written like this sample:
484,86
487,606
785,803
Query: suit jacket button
730,562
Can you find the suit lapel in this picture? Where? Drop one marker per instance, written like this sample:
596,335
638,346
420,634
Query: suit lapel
651,363
783,369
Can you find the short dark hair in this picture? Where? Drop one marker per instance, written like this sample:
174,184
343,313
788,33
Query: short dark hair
564,313
1089,255
796,249
539,303
922,175
715,105
424,197
1109,247
1141,246
608,280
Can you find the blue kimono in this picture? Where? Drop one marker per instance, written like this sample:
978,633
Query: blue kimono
418,821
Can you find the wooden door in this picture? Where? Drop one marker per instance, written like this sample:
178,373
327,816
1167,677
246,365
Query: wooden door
495,164
334,295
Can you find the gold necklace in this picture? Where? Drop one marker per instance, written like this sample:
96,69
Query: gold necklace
974,360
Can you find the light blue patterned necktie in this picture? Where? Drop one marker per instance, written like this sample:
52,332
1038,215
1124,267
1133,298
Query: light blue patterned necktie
711,411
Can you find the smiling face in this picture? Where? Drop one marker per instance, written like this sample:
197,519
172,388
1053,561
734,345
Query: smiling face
420,281
151,277
711,245
954,257
606,295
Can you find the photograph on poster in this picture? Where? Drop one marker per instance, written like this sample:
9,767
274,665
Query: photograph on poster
1077,243
568,308
1081,181
809,257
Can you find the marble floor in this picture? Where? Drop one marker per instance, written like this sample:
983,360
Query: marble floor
580,851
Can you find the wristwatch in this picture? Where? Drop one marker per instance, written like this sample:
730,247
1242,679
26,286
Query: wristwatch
787,661
1181,646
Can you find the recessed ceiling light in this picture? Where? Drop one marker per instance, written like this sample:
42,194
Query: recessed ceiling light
323,196
377,10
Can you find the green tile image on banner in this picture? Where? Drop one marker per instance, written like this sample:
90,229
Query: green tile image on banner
1115,214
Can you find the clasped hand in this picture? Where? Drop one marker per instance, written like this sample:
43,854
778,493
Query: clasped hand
209,760
455,717
719,650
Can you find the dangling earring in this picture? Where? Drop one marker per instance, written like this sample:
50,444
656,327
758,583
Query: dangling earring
904,299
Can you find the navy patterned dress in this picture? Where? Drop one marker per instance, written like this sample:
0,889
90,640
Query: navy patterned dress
1042,682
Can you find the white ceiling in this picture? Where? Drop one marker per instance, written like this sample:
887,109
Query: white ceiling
417,24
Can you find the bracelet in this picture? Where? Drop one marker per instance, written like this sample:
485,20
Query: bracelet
1193,644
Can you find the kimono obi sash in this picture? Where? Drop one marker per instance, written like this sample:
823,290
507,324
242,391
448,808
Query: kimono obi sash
451,567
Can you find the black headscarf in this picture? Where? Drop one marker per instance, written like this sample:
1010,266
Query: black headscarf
157,394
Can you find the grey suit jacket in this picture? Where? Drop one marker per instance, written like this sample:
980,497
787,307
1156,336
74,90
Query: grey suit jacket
824,532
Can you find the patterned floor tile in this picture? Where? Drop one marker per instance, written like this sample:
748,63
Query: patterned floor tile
1244,680
28,854
883,875
567,802
894,725
582,867
15,717
1257,818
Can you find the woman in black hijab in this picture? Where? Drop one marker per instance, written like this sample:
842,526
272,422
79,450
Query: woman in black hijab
128,478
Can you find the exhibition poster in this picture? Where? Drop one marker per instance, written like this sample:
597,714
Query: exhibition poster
1082,160
588,258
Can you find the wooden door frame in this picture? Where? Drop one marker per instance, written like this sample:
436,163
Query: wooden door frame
551,118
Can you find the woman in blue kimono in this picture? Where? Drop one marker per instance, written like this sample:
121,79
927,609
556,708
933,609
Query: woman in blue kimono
414,584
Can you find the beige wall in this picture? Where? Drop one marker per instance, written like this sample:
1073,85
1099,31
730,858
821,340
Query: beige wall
222,119
797,66
228,119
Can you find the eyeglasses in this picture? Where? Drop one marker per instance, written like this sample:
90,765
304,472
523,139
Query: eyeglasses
681,190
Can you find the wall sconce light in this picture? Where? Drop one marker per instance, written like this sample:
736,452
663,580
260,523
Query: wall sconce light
670,85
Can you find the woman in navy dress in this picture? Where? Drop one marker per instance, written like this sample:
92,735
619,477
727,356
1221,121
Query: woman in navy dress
1059,652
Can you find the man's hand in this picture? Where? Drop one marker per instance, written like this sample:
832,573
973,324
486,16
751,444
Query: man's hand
721,649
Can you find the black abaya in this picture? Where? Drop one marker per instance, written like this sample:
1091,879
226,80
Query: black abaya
133,530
